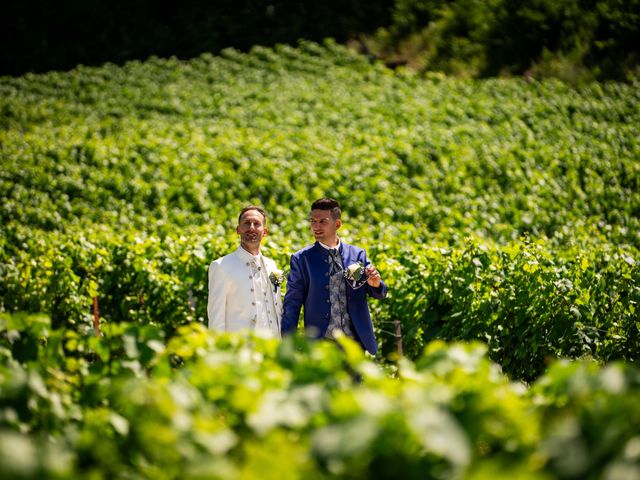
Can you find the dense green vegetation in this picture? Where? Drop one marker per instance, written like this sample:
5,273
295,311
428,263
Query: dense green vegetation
499,211
227,407
575,40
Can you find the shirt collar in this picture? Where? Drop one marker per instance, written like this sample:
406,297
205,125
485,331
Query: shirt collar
326,247
247,256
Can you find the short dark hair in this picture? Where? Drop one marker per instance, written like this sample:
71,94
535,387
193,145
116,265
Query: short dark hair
252,207
328,204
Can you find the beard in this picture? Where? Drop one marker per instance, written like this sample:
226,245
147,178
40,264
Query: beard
251,238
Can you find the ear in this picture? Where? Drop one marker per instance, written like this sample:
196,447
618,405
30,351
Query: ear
338,223
265,232
238,229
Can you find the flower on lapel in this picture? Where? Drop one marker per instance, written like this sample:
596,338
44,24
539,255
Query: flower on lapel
277,277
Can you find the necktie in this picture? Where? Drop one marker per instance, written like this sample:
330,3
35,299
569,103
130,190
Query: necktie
334,260
254,267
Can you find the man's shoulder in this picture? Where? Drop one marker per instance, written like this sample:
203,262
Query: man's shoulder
314,249
351,248
303,252
225,260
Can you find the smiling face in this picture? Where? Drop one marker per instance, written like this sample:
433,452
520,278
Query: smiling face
252,230
324,227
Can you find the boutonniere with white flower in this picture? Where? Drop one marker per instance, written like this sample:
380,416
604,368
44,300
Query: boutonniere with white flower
277,277
355,275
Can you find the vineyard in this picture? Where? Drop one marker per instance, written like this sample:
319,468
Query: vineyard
502,214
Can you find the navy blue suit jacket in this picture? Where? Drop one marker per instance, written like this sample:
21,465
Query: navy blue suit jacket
308,285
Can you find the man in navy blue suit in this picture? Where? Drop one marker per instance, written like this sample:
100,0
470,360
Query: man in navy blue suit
317,281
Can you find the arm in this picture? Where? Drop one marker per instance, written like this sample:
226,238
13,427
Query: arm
216,304
377,292
376,288
294,298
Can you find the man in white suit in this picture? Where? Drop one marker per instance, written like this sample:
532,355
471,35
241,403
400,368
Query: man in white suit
244,286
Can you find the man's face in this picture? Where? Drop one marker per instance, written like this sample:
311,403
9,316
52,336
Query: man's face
251,230
323,226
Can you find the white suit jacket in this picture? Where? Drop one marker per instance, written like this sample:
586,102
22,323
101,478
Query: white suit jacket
231,305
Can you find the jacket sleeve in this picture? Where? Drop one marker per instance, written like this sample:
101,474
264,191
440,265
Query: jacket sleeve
379,292
216,304
294,298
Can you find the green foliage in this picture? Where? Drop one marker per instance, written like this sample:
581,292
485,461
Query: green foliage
208,405
496,210
527,303
585,431
576,41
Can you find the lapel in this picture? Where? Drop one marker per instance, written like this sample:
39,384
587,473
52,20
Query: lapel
269,267
345,253
321,255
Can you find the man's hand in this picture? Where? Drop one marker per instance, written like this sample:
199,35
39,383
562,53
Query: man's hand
373,276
